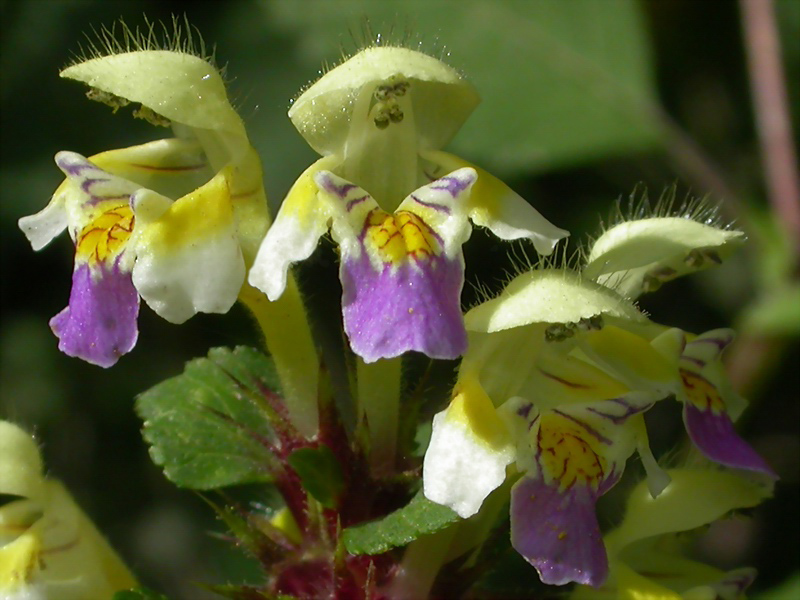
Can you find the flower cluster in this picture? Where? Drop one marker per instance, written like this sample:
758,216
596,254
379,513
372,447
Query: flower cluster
553,389
556,372
174,221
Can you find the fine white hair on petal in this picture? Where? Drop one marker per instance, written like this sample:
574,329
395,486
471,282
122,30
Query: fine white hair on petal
460,471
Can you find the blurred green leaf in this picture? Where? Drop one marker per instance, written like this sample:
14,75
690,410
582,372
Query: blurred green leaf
245,592
776,313
139,594
320,473
207,427
775,310
249,532
561,82
418,517
788,590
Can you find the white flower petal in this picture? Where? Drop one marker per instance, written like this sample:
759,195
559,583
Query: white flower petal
469,450
442,99
189,260
294,235
203,278
176,85
20,462
494,205
41,228
459,471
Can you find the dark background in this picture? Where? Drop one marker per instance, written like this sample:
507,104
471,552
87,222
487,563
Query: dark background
83,415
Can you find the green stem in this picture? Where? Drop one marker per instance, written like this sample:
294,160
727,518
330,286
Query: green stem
422,561
379,402
287,335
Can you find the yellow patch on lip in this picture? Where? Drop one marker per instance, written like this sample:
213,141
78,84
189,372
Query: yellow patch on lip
395,238
569,453
472,407
19,560
104,239
701,393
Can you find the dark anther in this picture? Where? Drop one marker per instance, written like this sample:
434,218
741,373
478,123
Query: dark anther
395,114
558,333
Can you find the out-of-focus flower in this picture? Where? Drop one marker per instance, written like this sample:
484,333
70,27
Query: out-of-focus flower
49,549
398,207
647,558
174,221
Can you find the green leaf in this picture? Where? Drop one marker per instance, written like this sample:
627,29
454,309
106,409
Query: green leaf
250,535
320,473
245,592
776,312
418,517
788,590
207,427
139,594
561,82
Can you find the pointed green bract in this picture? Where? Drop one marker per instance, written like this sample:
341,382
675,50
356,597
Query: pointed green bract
208,427
139,594
320,473
417,518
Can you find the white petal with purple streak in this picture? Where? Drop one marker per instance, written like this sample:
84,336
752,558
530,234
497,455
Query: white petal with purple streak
468,453
301,221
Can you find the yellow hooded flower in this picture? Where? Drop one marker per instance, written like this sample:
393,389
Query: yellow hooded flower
175,221
397,205
49,549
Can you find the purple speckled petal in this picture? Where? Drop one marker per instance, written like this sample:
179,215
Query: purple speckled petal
99,324
557,532
413,306
715,436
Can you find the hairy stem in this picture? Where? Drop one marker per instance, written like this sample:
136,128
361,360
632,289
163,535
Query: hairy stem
379,401
421,563
287,335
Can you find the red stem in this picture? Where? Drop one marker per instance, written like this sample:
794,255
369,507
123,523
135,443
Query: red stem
772,114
